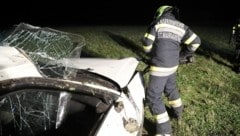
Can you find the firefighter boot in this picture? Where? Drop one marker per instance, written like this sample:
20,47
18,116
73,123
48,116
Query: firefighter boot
164,129
177,111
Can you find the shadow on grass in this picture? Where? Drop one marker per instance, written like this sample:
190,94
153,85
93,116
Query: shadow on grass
149,128
127,43
208,49
90,54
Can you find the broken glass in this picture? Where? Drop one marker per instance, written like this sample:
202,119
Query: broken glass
45,46
39,111
46,112
28,112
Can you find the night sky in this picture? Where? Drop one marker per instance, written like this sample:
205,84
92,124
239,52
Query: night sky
121,12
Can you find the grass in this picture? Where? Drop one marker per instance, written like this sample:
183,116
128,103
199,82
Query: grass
209,88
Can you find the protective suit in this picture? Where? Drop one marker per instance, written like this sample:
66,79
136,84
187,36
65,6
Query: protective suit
235,41
162,41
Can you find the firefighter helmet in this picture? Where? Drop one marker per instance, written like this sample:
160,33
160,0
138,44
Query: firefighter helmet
165,9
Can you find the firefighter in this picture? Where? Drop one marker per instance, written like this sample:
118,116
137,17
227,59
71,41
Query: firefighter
235,41
162,41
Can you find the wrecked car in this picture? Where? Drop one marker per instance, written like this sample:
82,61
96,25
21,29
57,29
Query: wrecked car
46,88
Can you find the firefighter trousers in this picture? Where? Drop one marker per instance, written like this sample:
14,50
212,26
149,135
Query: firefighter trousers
158,87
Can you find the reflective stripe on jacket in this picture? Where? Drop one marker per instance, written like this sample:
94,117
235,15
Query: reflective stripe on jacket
163,39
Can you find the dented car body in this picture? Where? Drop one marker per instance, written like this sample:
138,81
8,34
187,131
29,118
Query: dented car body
46,88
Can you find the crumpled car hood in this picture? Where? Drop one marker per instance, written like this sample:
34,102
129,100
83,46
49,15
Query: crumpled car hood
119,71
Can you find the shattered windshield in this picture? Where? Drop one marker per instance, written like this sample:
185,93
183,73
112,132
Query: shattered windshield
30,110
45,46
43,112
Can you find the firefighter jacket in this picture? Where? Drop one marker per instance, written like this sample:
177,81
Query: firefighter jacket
163,39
